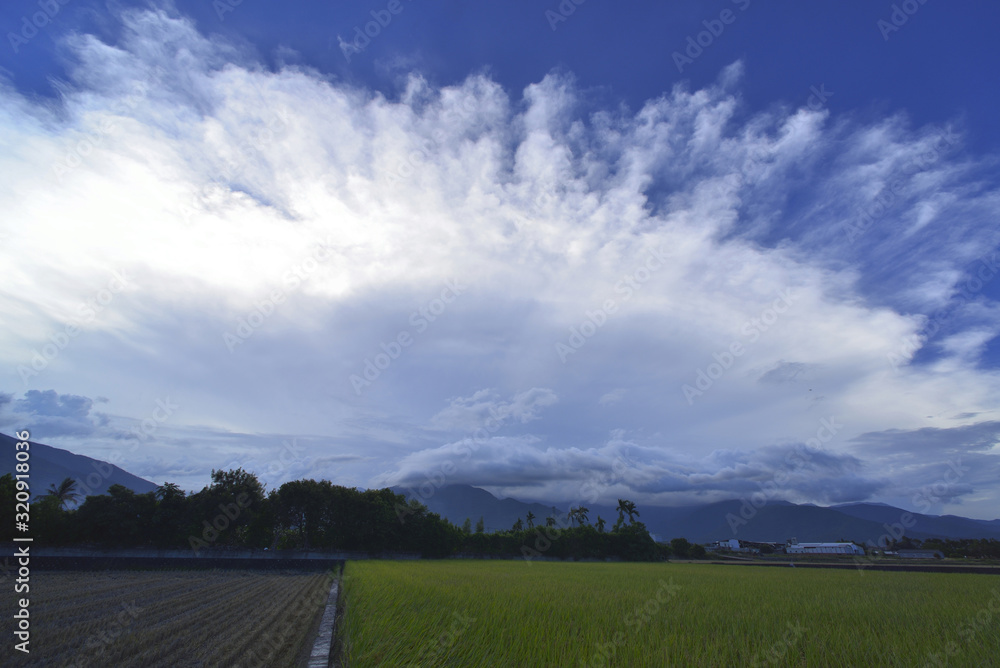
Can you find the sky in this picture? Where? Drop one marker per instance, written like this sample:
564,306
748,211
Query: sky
671,252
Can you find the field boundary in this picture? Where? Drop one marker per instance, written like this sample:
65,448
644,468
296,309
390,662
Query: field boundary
322,651
905,568
105,563
61,559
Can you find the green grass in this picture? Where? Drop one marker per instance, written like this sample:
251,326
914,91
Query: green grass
510,613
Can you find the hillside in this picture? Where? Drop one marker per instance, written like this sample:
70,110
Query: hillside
50,466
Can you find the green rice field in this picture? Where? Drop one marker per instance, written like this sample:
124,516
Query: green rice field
512,613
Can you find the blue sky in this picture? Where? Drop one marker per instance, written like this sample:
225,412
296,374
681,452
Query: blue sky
560,251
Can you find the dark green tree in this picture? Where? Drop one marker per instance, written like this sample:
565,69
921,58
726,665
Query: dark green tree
229,512
170,518
120,518
680,547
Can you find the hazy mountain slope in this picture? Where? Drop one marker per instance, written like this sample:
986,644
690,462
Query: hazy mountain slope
457,502
943,526
50,466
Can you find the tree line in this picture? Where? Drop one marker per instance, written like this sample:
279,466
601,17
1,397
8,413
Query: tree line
974,548
235,511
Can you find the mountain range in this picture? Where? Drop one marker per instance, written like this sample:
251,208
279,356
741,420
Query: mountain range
776,521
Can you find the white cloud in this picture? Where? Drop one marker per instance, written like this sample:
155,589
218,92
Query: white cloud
613,397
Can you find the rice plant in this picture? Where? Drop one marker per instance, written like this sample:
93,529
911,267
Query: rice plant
510,613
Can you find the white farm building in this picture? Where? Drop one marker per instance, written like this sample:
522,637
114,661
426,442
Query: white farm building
823,548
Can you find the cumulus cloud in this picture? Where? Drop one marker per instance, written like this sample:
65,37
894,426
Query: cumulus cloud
280,229
51,404
50,414
526,466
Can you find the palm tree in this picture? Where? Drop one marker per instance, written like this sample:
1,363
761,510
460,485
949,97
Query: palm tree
579,514
550,521
65,492
168,490
632,512
531,519
600,524
518,525
626,507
